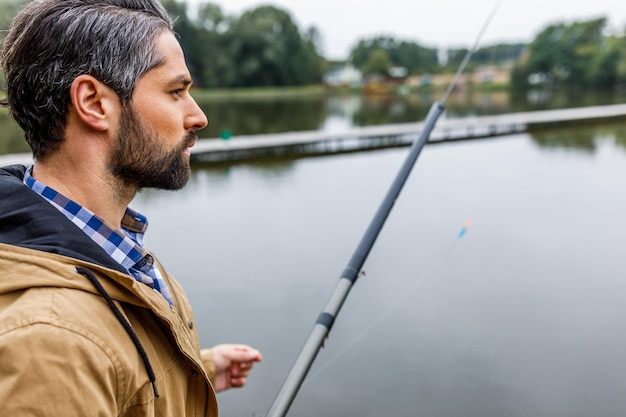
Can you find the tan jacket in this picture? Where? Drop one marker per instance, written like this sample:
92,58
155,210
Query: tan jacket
63,352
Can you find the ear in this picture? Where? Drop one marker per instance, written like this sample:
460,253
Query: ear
95,104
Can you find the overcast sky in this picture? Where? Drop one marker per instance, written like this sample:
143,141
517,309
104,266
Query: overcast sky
436,23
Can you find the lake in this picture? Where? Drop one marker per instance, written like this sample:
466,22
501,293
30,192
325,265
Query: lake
525,315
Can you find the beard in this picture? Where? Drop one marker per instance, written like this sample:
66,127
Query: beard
140,160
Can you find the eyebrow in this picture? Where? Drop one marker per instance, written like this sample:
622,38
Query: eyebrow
182,80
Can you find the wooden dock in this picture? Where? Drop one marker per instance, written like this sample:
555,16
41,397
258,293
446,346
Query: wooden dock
290,144
254,147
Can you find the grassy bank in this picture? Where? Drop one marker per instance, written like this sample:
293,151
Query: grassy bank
264,93
251,93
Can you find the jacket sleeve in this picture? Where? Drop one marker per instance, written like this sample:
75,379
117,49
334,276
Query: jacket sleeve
208,364
47,370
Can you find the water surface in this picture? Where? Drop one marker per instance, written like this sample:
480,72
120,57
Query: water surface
524,316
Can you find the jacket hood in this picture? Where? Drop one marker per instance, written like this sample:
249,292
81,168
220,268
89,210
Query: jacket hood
29,221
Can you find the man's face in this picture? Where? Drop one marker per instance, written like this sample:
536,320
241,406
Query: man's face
157,128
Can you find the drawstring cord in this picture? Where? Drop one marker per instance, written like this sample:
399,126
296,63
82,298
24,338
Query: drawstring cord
142,352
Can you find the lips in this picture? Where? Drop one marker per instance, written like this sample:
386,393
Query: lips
190,140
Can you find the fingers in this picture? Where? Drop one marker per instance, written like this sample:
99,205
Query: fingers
241,369
237,382
245,353
233,363
238,353
239,372
245,366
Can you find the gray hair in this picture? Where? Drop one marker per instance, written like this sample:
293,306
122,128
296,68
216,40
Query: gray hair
51,42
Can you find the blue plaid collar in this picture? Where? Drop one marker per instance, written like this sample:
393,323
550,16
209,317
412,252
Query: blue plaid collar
124,245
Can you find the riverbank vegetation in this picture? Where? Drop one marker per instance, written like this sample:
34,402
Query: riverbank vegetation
578,54
264,47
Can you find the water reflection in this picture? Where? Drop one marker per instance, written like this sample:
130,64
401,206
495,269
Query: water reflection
547,99
248,117
341,112
584,138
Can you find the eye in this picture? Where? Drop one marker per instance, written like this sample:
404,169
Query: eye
178,92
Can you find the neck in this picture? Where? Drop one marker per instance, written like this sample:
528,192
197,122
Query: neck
89,184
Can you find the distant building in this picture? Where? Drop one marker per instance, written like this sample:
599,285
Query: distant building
490,74
398,72
343,75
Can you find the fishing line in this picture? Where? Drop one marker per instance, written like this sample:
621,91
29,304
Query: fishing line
399,300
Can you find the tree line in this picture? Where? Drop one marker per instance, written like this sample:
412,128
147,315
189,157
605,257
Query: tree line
265,47
577,54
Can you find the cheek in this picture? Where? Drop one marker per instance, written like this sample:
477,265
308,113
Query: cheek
160,118
148,107
162,115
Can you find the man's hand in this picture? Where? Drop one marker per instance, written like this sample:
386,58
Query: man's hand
232,365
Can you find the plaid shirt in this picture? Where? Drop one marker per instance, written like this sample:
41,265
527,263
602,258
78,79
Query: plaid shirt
124,245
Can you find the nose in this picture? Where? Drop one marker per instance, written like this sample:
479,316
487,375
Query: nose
196,119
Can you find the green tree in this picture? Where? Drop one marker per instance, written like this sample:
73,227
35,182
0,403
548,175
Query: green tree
519,78
378,63
262,47
269,49
217,67
498,54
415,58
603,69
608,68
313,44
410,55
564,53
620,70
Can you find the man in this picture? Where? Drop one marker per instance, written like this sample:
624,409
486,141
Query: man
90,323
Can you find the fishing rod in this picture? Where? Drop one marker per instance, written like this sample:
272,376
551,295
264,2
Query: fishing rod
324,323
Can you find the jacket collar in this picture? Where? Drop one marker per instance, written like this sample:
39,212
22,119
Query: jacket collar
27,220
